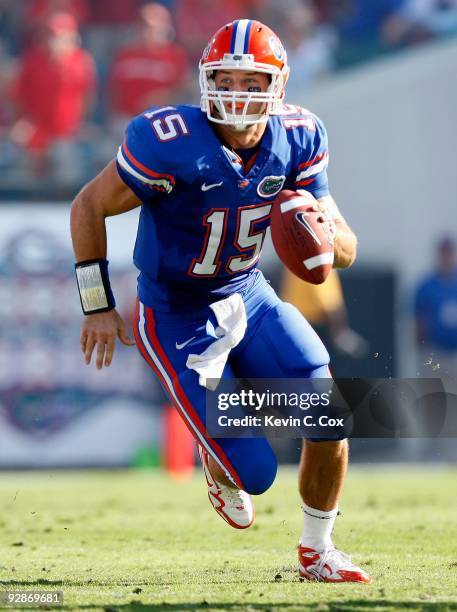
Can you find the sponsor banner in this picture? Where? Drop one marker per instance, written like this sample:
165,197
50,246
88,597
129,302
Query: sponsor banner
49,399
329,409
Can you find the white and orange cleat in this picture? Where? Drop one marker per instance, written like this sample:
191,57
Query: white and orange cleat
233,505
330,565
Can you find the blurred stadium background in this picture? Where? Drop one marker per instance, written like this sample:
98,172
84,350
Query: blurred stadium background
380,74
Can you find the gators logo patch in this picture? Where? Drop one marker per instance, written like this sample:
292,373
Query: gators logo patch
278,50
270,186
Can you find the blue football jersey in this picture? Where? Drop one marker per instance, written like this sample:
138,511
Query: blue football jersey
203,219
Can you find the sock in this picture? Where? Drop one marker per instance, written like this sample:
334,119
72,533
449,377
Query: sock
317,528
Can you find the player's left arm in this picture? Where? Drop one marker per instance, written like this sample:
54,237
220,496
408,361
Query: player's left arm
312,176
344,239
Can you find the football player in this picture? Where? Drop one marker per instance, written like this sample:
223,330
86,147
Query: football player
205,179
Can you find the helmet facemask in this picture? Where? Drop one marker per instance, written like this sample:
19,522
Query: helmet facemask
214,102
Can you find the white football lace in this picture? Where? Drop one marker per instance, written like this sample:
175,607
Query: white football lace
235,496
333,554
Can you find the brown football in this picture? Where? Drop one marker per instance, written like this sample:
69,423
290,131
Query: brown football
300,238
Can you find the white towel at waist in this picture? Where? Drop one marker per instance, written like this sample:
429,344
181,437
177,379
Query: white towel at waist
231,319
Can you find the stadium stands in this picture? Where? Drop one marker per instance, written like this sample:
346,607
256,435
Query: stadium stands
101,40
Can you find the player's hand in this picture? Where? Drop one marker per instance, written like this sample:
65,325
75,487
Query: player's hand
100,331
326,218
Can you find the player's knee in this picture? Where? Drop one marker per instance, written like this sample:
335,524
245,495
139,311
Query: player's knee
321,371
260,472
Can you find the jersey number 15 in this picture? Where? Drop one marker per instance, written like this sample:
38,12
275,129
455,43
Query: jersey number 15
248,240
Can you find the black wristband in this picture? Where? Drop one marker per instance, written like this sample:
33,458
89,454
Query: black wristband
94,287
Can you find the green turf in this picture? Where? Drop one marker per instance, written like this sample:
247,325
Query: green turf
139,541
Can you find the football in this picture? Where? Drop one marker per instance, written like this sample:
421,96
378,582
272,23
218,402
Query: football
300,239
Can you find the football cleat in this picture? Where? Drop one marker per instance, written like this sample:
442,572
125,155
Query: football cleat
233,505
330,565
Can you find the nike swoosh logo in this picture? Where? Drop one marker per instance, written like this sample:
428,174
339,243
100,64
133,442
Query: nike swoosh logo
206,187
181,346
301,218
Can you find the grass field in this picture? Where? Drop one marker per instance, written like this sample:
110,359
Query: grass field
135,541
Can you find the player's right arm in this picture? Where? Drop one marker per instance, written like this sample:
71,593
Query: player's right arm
106,195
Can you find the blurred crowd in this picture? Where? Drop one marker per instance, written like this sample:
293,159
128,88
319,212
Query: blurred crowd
435,312
72,72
